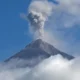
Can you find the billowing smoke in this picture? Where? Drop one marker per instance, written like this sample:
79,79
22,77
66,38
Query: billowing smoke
38,15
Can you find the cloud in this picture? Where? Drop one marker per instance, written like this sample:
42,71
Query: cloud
55,68
66,13
70,6
52,68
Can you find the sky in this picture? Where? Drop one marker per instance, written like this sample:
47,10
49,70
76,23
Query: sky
14,32
13,29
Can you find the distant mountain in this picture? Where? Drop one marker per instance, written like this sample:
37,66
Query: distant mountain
38,50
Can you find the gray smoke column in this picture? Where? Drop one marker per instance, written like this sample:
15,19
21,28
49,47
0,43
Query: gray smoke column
38,15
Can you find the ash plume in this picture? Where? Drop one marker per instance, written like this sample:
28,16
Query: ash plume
38,15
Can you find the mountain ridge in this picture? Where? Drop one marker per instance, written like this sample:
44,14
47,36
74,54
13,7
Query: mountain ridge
44,46
39,48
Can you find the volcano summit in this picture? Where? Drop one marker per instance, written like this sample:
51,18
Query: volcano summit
38,50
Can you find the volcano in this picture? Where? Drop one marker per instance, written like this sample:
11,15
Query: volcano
38,50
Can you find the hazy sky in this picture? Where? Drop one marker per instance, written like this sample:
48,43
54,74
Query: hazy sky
14,33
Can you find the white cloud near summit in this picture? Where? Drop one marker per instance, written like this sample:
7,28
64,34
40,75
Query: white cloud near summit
53,68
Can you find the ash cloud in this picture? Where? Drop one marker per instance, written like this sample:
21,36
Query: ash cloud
39,11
